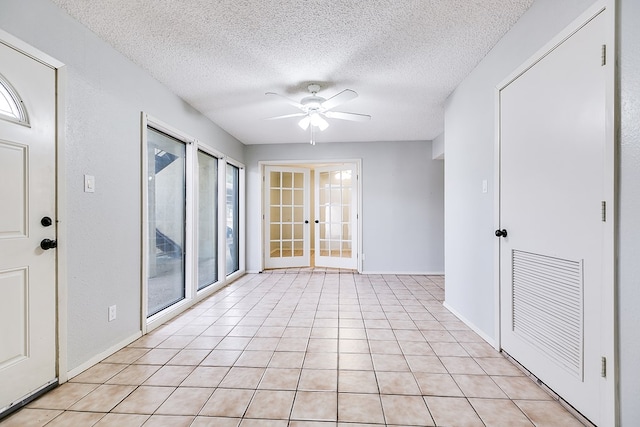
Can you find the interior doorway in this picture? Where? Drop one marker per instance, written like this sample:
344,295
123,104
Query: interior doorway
311,215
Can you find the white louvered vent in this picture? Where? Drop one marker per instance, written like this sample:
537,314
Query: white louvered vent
548,306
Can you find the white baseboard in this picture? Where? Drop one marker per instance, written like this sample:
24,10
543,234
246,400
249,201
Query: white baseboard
101,356
407,273
400,273
466,321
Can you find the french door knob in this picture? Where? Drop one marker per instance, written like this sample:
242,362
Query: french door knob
501,233
306,221
47,244
317,222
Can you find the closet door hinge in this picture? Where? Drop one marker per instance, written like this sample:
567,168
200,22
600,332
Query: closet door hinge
604,211
603,370
604,55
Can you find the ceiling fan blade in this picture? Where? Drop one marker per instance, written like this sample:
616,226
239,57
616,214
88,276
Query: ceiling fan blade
340,98
289,101
354,117
286,116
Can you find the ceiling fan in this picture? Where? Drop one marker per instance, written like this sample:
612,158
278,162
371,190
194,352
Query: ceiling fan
316,108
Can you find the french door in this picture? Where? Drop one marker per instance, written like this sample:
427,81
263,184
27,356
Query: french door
311,224
287,217
336,216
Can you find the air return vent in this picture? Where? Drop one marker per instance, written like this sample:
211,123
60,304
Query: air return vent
548,306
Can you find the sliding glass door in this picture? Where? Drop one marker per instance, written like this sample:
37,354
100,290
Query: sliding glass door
207,219
233,218
193,221
166,159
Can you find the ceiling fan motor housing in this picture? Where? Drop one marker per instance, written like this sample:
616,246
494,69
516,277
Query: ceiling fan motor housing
311,103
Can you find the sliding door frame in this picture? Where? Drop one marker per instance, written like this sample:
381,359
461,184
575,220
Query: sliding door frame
192,294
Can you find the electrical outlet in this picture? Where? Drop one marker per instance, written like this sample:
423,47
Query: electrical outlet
112,313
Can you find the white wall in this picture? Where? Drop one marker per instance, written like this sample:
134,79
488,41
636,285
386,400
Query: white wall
437,151
469,126
402,201
629,214
105,94
469,141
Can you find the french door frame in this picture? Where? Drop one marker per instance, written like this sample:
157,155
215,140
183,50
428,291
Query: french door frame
608,307
312,164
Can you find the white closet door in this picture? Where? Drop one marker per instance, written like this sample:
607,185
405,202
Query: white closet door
551,191
287,225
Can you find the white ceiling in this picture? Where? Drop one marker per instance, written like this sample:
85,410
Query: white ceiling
403,57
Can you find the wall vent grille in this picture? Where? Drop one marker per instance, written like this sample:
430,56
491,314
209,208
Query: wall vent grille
548,306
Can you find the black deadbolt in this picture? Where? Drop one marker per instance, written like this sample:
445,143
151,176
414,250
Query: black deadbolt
46,221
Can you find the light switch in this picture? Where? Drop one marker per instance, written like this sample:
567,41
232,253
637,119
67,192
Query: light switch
485,186
89,184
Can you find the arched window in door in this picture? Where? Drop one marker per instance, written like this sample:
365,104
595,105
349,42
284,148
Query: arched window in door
11,106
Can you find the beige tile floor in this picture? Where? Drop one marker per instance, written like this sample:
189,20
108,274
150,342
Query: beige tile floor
305,349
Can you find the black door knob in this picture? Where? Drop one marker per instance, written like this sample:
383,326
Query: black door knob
47,244
317,221
306,221
501,233
46,221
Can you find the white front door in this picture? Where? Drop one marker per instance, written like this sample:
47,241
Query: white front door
552,184
27,218
336,229
287,217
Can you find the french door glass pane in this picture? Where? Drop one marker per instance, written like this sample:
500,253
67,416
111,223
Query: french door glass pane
287,209
207,220
334,213
233,218
166,218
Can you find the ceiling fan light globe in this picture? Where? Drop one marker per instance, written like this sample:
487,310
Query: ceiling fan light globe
318,121
304,123
323,125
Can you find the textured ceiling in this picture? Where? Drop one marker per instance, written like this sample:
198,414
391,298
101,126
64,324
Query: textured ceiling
403,57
